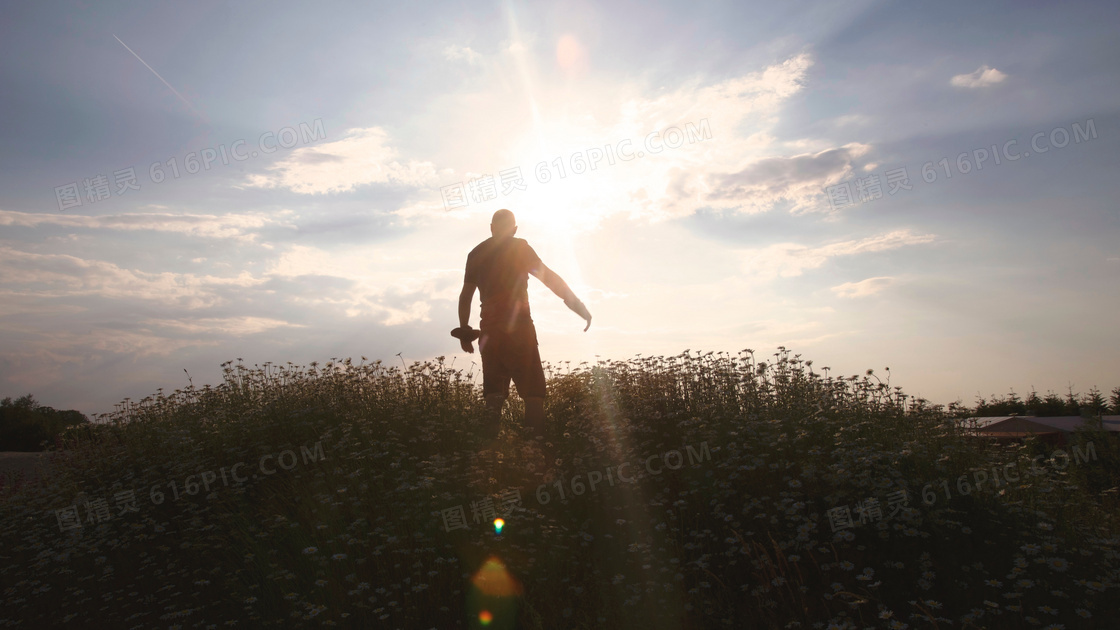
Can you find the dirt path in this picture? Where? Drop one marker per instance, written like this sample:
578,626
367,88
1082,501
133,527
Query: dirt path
16,466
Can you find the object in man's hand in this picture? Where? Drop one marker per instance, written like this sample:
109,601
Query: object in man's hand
466,333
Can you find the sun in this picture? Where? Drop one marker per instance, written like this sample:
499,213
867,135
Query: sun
565,192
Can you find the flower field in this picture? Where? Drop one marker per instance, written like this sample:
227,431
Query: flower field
692,491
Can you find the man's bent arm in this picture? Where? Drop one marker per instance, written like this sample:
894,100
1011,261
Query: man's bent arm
465,299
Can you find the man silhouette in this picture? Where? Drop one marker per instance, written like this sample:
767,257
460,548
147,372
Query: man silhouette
499,268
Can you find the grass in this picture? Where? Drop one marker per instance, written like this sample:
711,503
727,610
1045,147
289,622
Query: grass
352,533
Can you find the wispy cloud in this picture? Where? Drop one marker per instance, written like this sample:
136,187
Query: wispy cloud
236,226
981,77
789,259
359,284
141,338
461,53
795,180
210,326
863,288
59,275
363,157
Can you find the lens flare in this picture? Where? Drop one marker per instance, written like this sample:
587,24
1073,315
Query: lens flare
494,580
571,56
498,525
493,597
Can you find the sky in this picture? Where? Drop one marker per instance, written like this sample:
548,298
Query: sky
929,187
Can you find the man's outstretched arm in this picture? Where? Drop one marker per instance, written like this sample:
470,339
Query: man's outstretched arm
556,284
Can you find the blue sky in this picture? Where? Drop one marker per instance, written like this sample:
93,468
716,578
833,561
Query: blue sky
327,222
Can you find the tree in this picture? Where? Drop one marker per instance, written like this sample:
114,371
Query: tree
1033,402
1001,406
957,409
1072,403
25,424
1095,402
1052,406
1115,400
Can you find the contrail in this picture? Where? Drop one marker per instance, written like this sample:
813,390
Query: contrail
185,102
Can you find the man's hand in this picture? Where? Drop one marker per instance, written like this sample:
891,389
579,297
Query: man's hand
581,310
466,336
587,318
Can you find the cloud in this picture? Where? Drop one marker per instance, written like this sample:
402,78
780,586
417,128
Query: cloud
727,157
363,157
796,180
353,283
981,77
394,288
851,119
787,260
210,326
236,226
41,354
724,138
740,167
64,310
47,351
863,288
58,275
461,53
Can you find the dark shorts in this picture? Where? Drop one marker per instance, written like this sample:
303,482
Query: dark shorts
511,355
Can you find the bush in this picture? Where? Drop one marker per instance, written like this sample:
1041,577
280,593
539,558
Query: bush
25,424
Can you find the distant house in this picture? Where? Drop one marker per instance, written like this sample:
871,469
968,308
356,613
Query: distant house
1055,429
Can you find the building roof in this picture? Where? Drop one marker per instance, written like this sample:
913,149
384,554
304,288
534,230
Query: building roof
1031,424
1016,434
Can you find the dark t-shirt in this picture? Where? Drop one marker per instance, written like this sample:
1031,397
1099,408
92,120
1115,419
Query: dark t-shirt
500,270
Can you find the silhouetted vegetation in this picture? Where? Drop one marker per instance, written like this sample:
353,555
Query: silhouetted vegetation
25,425
1050,405
742,537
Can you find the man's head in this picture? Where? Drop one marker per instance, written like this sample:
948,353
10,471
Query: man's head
503,224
